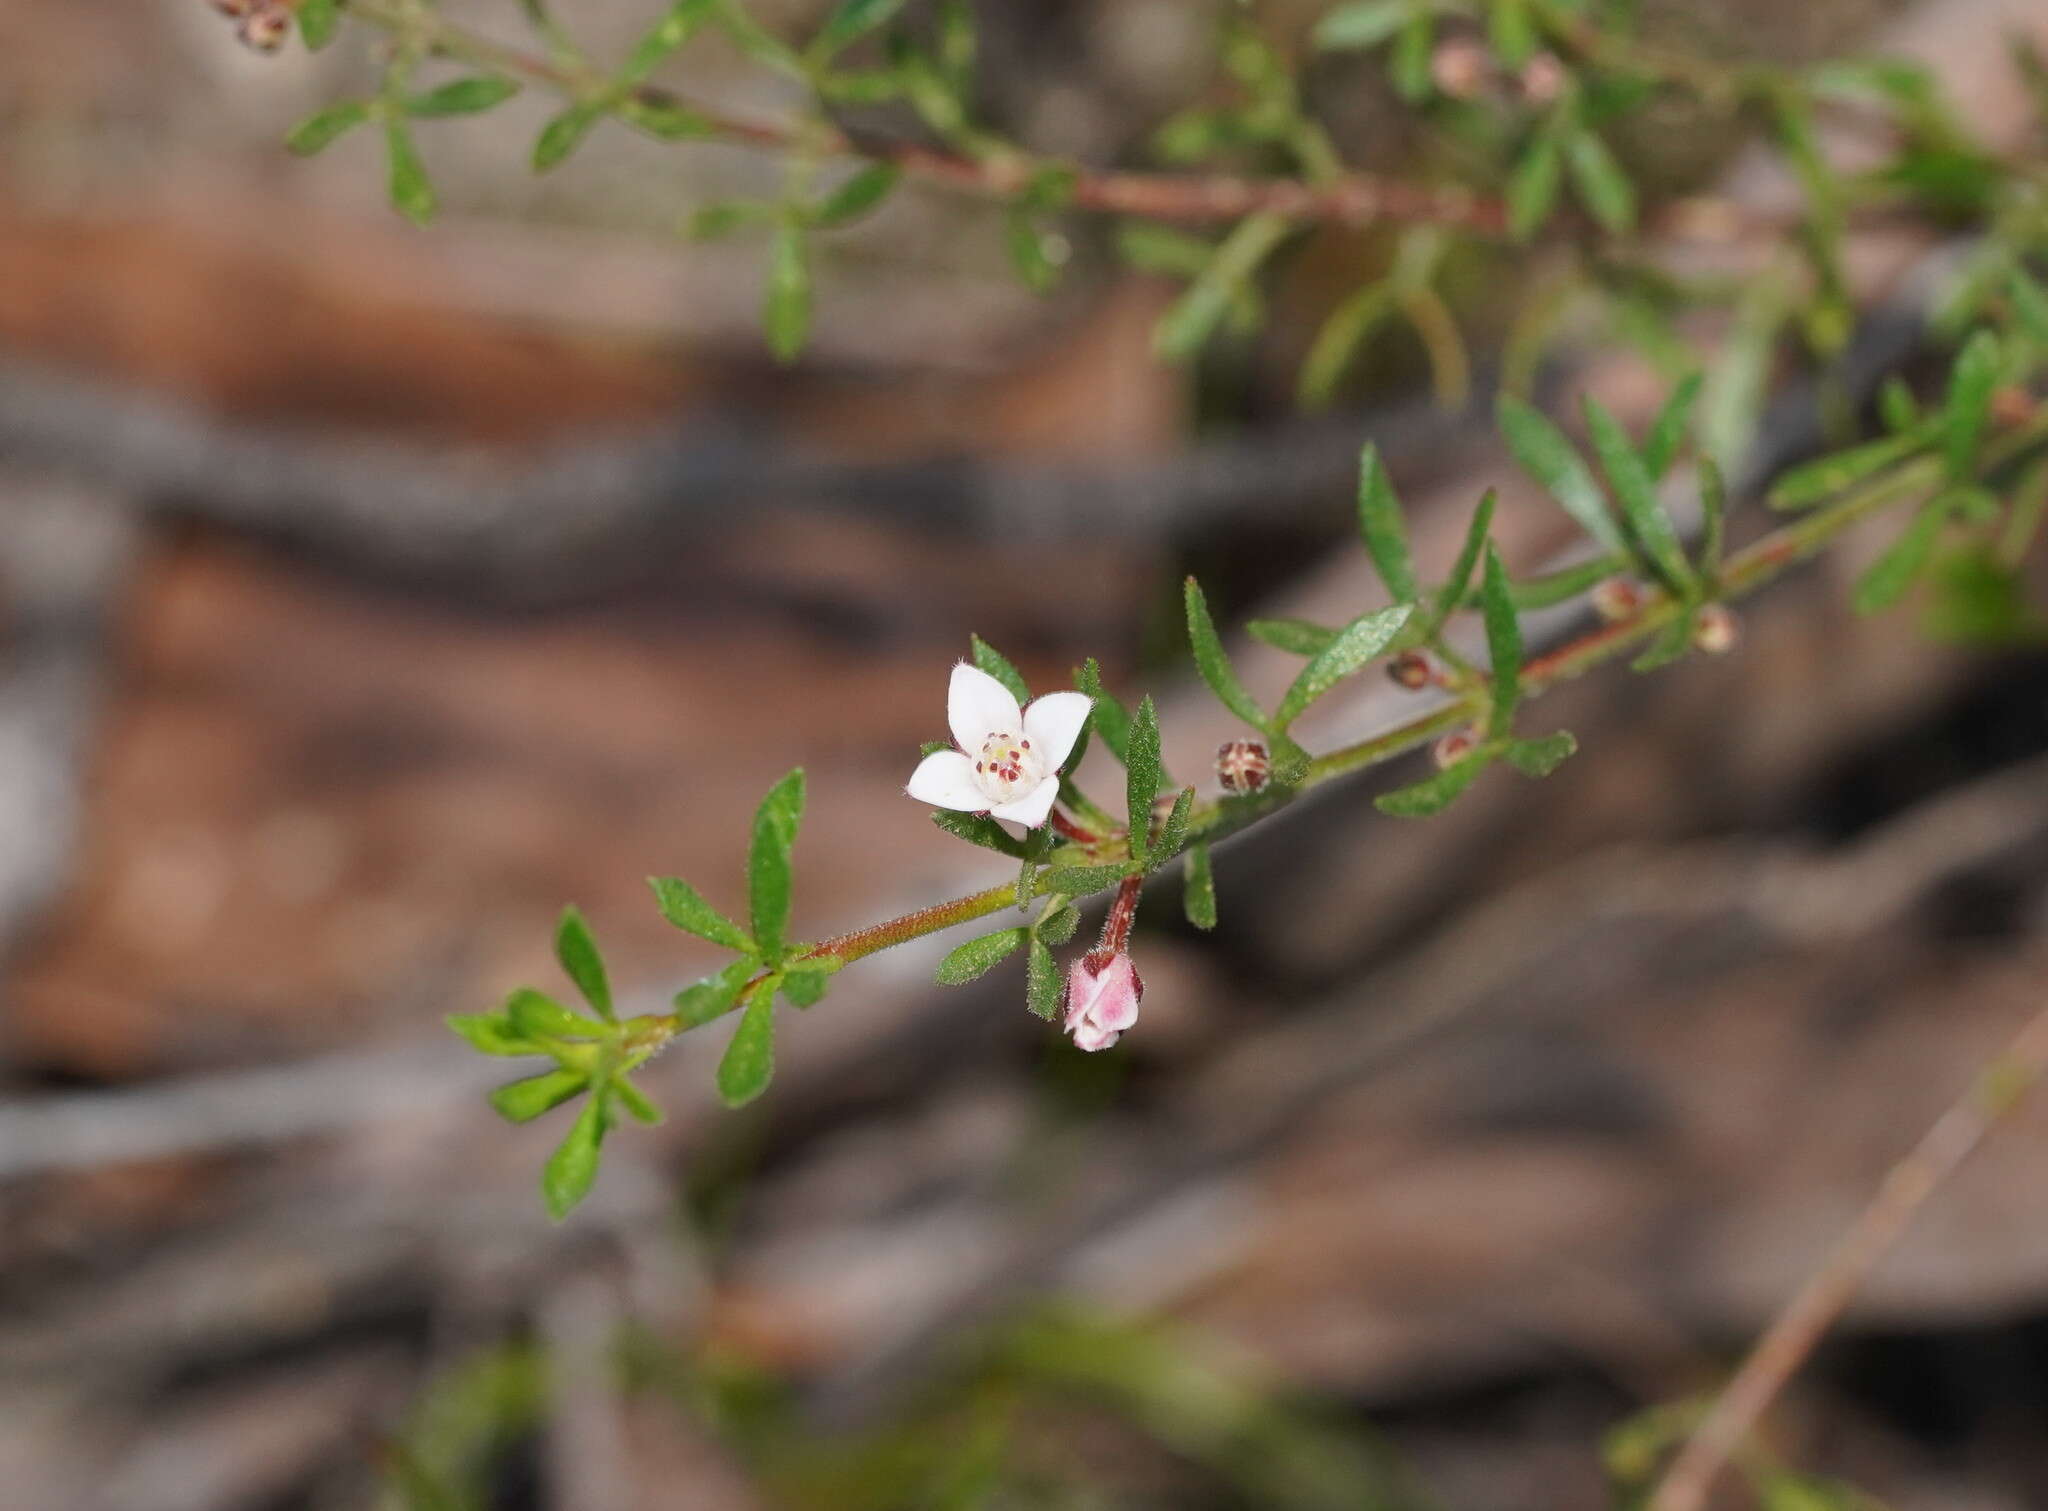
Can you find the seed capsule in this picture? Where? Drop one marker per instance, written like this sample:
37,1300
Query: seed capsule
1243,766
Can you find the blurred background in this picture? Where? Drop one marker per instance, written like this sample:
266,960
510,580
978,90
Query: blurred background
366,594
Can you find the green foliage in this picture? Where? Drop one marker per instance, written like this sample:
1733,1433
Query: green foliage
859,194
320,130
1110,721
523,1101
992,661
1214,662
769,871
563,134
1436,792
714,996
1381,527
1357,644
1539,757
1198,887
581,963
1969,403
318,21
681,905
1503,643
1602,187
749,1060
1555,464
786,296
1532,190
1297,637
406,182
979,830
1886,580
979,956
572,1168
1143,777
468,96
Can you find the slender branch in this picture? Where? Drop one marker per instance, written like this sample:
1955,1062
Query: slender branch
1993,1093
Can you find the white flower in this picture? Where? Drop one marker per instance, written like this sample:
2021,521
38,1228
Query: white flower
1008,763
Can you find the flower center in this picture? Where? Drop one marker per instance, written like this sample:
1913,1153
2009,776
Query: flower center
1007,768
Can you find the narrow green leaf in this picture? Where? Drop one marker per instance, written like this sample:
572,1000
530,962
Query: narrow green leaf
756,42
1566,582
749,1060
1603,188
2030,304
1532,187
1540,757
635,1101
1361,24
1667,433
1433,793
1512,32
523,1101
463,96
1081,881
1673,642
989,659
1969,403
1356,644
319,131
768,863
1408,68
1886,580
976,830
1198,887
681,905
1043,988
1186,327
492,1034
1214,662
1896,405
318,21
714,996
1452,593
710,222
1035,253
1110,721
1152,248
581,962
665,37
786,299
563,134
1173,834
535,1015
572,1168
857,195
1297,637
1548,457
805,988
1713,518
1337,341
853,20
1503,642
1143,775
411,194
664,119
1381,525
1821,479
979,956
1057,926
1649,523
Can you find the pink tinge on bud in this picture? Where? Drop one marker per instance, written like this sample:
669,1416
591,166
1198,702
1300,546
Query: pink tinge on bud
1460,68
1243,766
1616,599
1717,630
1543,79
1411,669
265,27
1453,748
1102,998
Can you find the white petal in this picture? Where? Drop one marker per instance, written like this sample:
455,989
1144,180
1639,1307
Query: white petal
1030,809
1091,1036
945,779
1053,723
978,706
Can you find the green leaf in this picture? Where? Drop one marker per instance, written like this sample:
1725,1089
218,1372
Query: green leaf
1186,327
1886,580
1453,591
581,962
757,43
1532,188
572,1168
1638,494
1043,989
411,194
768,863
1058,926
1356,644
1143,774
1713,518
1111,723
1214,662
977,830
681,905
1152,248
1511,32
1821,479
1540,757
1548,457
709,222
319,131
979,956
668,34
463,96
857,195
1603,188
1667,432
1408,69
535,1015
853,20
523,1101
988,659
1566,582
635,1101
1198,887
1385,533
1503,642
563,134
1297,637
2030,305
1345,329
714,996
1032,251
786,300
1433,793
1896,405
318,20
492,1034
805,988
664,119
1080,881
1361,24
1671,644
1173,834
749,1060
1969,403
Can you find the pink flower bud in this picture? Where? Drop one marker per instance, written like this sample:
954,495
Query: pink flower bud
1453,748
1543,79
1460,68
1411,669
1616,598
1716,630
1102,998
1243,766
265,27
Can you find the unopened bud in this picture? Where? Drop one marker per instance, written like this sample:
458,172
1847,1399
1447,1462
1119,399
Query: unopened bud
265,27
1460,68
234,10
1717,630
1411,669
1243,766
1543,79
2011,406
1453,748
1617,598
